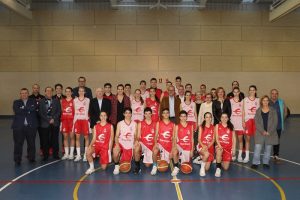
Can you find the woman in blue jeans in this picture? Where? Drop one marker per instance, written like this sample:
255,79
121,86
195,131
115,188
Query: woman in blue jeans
266,134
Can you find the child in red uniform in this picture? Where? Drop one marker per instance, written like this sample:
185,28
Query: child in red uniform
101,144
206,141
153,103
225,138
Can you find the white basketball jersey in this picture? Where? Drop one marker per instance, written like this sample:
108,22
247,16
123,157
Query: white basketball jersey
126,135
81,108
250,107
236,114
190,109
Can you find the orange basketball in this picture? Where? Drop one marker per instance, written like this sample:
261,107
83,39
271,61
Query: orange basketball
162,166
186,168
125,167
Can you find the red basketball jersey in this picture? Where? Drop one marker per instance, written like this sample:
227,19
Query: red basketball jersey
148,134
225,136
207,135
102,135
67,109
184,137
154,107
165,135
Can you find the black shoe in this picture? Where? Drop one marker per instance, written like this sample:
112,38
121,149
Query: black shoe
56,157
266,166
31,160
17,163
45,158
137,170
254,166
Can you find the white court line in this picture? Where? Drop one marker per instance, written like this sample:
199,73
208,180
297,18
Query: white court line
17,178
286,160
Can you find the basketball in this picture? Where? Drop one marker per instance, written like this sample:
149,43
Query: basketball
125,167
186,168
158,159
163,166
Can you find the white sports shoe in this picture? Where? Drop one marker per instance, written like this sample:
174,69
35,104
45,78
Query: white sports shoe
246,160
65,157
77,158
202,172
89,171
116,170
197,160
218,173
154,170
84,159
240,159
175,171
71,157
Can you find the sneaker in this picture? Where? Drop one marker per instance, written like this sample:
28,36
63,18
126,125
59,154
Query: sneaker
154,170
89,171
218,173
71,157
65,157
202,172
197,160
77,158
246,160
254,166
84,159
137,170
116,170
175,171
240,159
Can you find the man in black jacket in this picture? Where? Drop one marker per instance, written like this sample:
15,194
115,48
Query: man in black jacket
97,105
49,111
24,126
82,83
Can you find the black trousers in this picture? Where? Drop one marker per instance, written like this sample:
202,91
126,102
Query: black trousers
19,136
49,137
276,147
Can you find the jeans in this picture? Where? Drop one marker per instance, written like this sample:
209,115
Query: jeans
266,156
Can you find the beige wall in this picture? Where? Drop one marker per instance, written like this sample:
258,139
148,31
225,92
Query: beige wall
212,47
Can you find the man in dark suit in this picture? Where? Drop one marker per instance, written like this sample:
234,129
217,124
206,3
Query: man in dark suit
81,83
49,111
171,102
24,126
97,105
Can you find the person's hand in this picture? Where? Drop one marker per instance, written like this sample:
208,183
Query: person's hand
51,121
191,153
244,125
204,148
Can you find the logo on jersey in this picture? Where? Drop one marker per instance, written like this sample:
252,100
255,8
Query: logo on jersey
127,135
208,138
68,109
237,111
149,137
190,112
166,134
81,109
153,108
138,109
101,138
225,138
252,109
185,139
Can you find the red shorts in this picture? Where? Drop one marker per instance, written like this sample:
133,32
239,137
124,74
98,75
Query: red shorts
66,125
239,132
126,154
211,152
81,127
194,125
105,154
250,127
226,155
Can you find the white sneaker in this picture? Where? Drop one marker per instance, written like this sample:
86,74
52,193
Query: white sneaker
197,160
240,159
77,158
84,159
116,170
65,157
71,157
246,160
175,171
218,173
154,170
202,172
89,171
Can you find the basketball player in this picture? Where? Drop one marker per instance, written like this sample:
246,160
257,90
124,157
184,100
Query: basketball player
206,141
250,105
81,122
143,88
163,140
189,87
67,117
144,141
137,106
184,147
153,103
124,140
101,144
177,84
225,139
190,107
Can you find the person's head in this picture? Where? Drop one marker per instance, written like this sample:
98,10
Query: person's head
138,96
143,84
220,93
168,84
35,88
153,82
235,84
107,88
187,96
198,96
127,113
152,94
99,93
103,116
171,91
24,93
81,91
213,93
188,87
274,94
208,98
81,81
178,81
48,92
183,116
252,91
181,90
165,113
264,101
147,113
127,88
236,92
225,120
203,89
120,89
68,92
58,88
207,119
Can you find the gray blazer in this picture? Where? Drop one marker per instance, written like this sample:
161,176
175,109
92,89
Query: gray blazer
54,114
272,139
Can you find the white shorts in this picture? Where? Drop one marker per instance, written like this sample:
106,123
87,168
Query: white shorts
147,153
184,156
164,154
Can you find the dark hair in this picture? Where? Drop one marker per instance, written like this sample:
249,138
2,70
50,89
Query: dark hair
143,81
127,84
253,86
183,112
82,77
156,98
178,77
69,88
186,93
49,87
165,109
141,99
107,84
204,122
203,85
81,88
22,89
153,79
213,89
58,84
147,109
120,85
229,124
235,82
188,84
236,88
127,109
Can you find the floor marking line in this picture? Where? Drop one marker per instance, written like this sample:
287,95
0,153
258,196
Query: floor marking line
286,160
22,175
279,188
177,187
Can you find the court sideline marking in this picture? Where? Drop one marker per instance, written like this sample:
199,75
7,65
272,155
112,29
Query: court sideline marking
22,175
176,182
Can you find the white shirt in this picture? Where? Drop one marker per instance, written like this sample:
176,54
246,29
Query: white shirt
99,103
172,106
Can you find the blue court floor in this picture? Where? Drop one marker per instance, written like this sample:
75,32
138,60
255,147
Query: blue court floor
66,180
